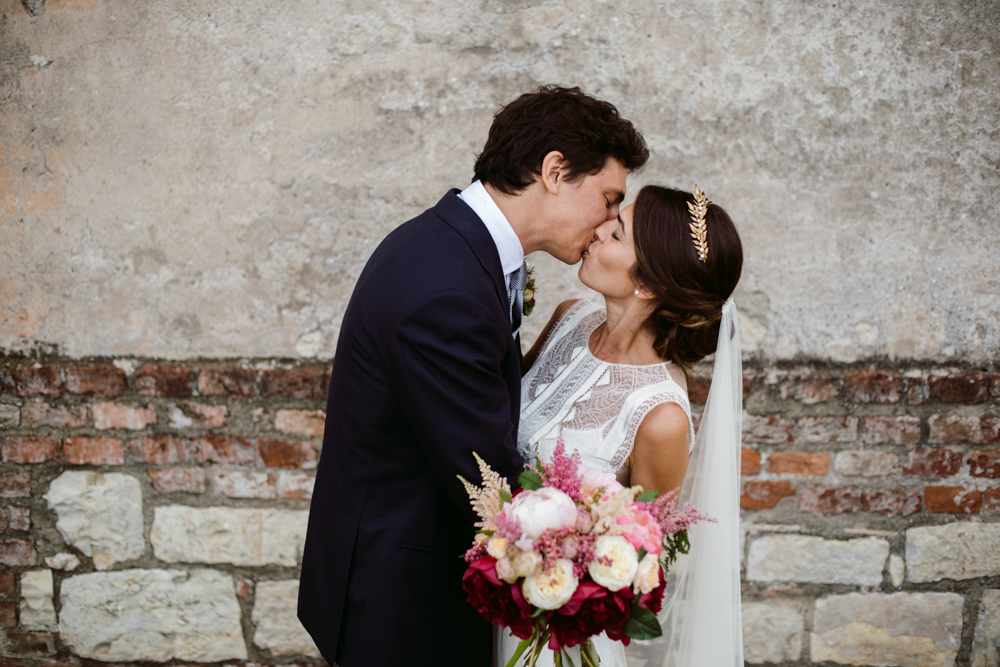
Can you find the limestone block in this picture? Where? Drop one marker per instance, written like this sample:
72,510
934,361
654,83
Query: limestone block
772,632
986,643
903,629
806,558
959,550
37,610
100,514
63,561
154,615
897,568
278,627
242,536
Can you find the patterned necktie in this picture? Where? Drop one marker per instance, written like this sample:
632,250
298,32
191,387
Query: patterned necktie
518,279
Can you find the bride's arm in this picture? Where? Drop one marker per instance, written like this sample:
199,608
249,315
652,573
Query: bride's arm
529,359
659,457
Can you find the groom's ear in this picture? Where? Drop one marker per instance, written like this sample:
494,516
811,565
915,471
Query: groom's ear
553,172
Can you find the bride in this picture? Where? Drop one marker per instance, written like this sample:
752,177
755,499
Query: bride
612,383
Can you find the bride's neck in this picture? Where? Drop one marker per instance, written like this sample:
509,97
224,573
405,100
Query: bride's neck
622,338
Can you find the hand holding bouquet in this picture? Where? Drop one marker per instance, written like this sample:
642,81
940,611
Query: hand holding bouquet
571,554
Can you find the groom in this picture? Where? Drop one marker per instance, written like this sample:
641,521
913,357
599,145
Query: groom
428,371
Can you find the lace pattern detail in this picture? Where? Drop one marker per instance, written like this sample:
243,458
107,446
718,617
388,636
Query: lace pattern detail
595,405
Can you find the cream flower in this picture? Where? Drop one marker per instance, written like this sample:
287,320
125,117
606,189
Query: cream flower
497,547
624,562
647,575
553,588
527,563
543,509
505,570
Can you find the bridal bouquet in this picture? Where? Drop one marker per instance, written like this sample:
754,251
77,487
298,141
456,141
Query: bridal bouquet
571,554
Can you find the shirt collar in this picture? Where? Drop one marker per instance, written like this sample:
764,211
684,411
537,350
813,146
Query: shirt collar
508,245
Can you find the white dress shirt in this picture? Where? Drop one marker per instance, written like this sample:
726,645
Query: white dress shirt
508,245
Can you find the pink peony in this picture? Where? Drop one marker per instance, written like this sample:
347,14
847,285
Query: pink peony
592,479
643,531
544,509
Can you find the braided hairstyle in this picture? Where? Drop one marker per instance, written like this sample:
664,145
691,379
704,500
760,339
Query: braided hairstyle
689,294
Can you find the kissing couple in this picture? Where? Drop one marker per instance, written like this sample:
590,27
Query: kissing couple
429,369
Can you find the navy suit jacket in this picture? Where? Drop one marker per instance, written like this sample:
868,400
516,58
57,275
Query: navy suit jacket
426,372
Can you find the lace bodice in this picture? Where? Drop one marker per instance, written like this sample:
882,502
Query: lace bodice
595,405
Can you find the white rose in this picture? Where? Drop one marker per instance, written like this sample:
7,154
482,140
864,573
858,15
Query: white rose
505,570
540,510
551,589
647,575
527,563
624,562
497,547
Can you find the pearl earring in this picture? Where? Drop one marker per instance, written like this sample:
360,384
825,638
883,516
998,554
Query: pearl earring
637,292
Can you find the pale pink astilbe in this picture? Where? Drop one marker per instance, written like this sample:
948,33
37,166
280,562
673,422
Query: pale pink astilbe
486,500
670,520
561,472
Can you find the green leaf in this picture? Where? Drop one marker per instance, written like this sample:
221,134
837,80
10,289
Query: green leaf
530,480
538,612
642,623
642,552
647,496
505,496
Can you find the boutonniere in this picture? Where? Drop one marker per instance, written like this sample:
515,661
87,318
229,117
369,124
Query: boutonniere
529,292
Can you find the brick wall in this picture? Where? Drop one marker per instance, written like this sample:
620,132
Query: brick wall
155,512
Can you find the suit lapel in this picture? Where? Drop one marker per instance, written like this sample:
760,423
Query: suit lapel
463,219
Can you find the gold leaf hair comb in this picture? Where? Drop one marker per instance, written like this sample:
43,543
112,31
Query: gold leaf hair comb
699,232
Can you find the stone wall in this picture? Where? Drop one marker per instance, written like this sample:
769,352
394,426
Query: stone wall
154,511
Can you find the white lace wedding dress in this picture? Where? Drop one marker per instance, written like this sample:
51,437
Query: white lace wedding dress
596,407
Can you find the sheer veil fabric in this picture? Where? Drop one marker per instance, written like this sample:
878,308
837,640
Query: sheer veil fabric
701,616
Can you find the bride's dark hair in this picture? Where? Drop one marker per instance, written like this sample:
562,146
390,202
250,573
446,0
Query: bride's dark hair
689,293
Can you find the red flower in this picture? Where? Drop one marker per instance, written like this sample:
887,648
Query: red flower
653,600
495,600
592,609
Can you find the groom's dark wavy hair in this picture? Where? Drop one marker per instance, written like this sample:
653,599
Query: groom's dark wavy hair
587,131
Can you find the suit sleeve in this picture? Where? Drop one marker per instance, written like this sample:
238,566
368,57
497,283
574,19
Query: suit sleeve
445,363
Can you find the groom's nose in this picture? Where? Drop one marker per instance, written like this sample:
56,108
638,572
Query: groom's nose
605,229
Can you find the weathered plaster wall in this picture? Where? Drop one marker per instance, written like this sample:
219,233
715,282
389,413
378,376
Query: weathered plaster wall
204,178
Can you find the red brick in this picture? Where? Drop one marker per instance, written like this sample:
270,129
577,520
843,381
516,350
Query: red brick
301,422
751,382
995,387
34,415
15,485
196,415
232,382
155,380
8,615
749,461
809,389
161,449
934,462
243,588
31,450
952,499
762,495
179,480
799,463
826,429
873,386
917,393
771,430
286,453
224,449
8,584
94,451
109,416
830,500
958,430
294,485
890,430
991,500
698,386
892,503
31,381
19,517
965,388
105,381
29,644
985,464
308,383
17,553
